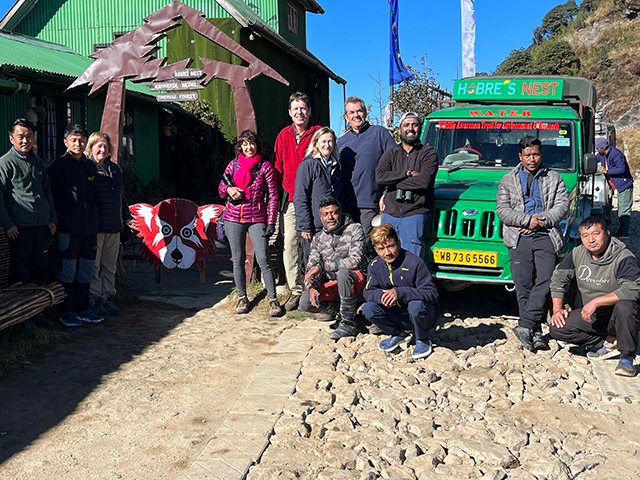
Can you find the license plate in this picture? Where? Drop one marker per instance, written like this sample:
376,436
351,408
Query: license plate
465,257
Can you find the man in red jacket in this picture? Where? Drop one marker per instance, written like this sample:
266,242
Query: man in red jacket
289,151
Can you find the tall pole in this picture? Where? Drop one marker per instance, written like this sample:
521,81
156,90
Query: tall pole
391,107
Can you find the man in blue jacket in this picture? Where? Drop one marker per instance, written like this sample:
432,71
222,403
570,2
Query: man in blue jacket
615,166
400,294
360,149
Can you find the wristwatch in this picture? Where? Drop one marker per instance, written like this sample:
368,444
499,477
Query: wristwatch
408,173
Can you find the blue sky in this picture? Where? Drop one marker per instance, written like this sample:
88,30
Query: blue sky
352,38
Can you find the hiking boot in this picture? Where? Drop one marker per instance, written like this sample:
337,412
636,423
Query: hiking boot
603,353
275,310
111,307
242,306
422,349
625,368
330,314
538,341
525,336
344,330
293,302
41,322
70,320
392,343
89,317
100,309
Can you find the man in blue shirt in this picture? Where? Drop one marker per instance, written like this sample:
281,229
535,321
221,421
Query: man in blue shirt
532,201
615,166
360,149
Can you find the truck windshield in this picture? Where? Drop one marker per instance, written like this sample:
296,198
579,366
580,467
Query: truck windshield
494,144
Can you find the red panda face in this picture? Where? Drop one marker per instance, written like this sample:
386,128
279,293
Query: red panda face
176,231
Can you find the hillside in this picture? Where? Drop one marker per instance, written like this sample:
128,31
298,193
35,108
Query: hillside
605,39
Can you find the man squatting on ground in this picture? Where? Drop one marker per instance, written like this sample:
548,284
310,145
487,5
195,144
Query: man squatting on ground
400,294
615,166
531,202
334,271
360,149
72,179
608,280
289,151
409,173
27,210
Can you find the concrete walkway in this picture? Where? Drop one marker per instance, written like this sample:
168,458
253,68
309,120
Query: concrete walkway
244,435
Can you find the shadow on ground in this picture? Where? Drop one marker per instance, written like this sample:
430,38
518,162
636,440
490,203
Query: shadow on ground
40,395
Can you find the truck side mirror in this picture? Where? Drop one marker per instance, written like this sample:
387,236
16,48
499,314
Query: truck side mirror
589,164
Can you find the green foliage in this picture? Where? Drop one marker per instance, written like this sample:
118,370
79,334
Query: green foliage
556,58
137,192
555,19
589,6
519,62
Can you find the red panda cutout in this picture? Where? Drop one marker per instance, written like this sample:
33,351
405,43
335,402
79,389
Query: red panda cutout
176,232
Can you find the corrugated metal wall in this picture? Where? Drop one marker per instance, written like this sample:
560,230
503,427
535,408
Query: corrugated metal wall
11,107
79,24
145,118
270,98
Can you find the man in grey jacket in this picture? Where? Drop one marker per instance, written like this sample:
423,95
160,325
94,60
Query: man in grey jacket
532,201
607,276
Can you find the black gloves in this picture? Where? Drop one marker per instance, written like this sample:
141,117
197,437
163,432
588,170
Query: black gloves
270,230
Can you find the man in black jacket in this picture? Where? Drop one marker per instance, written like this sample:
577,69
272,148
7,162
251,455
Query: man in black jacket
400,294
73,185
409,173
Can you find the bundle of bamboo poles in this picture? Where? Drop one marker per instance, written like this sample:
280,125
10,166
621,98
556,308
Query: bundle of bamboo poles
21,302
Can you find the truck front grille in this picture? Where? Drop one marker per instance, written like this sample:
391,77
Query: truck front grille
452,224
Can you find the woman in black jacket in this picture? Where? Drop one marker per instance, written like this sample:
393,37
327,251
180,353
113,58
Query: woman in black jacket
319,176
110,200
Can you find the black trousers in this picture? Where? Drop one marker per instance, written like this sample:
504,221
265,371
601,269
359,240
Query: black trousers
29,253
532,264
621,320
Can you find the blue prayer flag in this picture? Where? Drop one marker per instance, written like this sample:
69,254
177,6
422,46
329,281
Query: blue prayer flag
398,73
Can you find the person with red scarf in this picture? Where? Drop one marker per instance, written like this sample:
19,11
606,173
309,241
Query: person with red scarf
252,202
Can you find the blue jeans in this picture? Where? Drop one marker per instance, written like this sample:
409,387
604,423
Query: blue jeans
419,317
410,231
237,235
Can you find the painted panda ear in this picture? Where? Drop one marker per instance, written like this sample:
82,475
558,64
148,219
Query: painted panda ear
210,214
144,216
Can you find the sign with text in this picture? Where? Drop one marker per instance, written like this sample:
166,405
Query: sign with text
178,97
486,88
188,73
176,85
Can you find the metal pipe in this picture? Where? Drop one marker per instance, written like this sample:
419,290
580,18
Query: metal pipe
10,87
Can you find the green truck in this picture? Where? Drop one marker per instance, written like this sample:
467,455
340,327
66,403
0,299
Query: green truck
477,144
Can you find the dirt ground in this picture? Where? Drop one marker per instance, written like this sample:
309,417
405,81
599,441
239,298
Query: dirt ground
138,396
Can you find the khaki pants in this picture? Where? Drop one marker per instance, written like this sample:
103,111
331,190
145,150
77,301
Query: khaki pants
291,249
103,282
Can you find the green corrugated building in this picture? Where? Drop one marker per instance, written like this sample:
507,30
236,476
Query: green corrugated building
34,75
273,30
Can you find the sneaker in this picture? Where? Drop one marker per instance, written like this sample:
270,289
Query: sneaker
70,320
344,330
41,322
90,317
292,303
603,353
422,349
242,306
275,310
625,368
538,341
111,307
100,309
390,344
525,336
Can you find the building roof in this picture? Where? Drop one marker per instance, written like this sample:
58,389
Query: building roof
238,9
246,17
22,52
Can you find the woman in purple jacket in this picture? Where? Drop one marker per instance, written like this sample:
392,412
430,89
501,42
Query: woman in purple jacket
248,180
